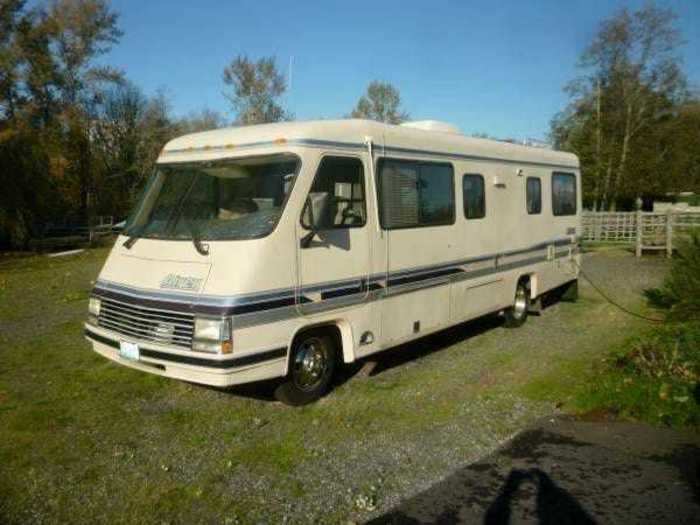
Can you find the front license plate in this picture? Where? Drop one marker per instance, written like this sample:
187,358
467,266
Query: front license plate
129,350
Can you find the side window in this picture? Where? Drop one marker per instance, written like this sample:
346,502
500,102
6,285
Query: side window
563,193
414,194
474,196
533,195
337,194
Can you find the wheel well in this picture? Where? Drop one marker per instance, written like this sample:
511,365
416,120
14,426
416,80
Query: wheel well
530,281
331,329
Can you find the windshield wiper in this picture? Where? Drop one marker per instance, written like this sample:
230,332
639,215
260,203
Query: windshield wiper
175,214
202,248
131,240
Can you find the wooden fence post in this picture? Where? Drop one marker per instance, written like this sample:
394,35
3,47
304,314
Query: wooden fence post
669,232
638,251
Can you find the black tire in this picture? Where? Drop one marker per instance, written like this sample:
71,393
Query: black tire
311,368
516,315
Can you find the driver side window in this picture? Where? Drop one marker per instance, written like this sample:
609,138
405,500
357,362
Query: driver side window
339,182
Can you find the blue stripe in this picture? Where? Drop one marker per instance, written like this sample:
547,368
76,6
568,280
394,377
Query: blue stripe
247,304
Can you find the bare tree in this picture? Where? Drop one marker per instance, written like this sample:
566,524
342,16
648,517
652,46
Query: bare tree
83,30
11,16
381,102
203,120
128,136
255,90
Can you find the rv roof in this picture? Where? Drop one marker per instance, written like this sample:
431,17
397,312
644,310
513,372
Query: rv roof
352,134
432,125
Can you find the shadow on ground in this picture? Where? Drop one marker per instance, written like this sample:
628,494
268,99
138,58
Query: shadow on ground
421,348
386,360
569,471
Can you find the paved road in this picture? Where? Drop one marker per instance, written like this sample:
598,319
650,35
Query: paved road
569,471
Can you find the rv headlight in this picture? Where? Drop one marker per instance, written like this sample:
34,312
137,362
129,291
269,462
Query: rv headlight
213,335
94,309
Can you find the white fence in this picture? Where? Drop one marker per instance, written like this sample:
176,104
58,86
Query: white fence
647,231
66,235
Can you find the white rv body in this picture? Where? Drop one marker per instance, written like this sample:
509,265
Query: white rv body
380,280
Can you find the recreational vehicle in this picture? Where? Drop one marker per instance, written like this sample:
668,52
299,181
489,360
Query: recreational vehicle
284,250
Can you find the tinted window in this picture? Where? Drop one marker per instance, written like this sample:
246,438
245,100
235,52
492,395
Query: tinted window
414,194
474,196
533,195
340,181
563,194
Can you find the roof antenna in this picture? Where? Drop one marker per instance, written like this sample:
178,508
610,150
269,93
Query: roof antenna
289,80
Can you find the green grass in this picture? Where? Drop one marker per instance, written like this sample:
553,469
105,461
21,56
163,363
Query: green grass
598,246
653,377
561,385
83,440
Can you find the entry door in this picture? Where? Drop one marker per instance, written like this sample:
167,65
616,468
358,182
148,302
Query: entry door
481,291
334,262
417,206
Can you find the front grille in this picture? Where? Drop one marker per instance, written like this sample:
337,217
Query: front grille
147,324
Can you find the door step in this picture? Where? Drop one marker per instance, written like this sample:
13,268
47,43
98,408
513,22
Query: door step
535,307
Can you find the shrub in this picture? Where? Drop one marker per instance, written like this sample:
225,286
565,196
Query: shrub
654,377
680,292
670,353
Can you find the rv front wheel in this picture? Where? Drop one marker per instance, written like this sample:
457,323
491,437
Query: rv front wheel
516,315
311,369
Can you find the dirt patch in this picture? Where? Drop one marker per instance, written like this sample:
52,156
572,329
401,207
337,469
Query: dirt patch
598,415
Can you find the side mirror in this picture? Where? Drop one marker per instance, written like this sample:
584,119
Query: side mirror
315,216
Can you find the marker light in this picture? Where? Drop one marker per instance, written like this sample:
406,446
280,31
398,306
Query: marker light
212,335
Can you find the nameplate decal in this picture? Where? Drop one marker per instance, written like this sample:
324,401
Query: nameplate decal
181,282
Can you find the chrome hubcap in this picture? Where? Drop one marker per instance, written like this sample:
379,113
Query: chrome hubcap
310,364
520,305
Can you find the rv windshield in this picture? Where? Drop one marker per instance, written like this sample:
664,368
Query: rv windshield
229,200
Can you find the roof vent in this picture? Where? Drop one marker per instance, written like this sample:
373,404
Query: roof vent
433,125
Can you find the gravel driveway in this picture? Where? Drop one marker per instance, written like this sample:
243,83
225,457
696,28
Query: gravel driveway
102,443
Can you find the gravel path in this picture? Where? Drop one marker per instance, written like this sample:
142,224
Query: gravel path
102,443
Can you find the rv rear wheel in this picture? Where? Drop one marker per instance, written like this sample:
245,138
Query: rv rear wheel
516,315
311,368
